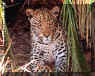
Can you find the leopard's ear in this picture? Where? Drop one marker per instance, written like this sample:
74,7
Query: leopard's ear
55,11
29,12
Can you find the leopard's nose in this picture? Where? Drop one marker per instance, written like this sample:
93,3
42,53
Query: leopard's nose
46,35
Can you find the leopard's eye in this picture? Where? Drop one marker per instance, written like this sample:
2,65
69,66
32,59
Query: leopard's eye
51,24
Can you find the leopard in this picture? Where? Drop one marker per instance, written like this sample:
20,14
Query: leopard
48,40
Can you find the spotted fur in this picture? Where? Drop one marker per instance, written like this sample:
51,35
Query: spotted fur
47,40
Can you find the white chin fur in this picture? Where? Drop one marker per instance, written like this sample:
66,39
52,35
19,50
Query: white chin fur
46,40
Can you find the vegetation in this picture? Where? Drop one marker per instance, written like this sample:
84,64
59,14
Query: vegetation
76,16
74,20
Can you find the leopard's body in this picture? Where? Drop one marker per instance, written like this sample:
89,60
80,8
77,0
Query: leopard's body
47,41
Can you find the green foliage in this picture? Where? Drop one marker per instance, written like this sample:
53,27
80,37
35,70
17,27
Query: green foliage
74,46
7,42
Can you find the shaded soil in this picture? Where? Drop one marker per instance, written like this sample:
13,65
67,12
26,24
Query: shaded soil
20,35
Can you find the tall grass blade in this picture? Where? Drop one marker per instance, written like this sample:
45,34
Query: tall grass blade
75,50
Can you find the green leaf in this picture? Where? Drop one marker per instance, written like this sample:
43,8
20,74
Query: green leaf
74,44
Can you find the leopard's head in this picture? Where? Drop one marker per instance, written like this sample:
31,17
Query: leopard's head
43,23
